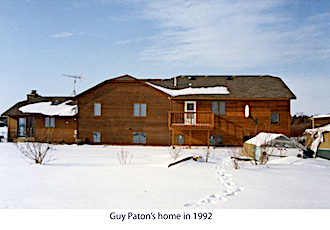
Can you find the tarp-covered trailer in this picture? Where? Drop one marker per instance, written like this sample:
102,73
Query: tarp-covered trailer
318,140
272,144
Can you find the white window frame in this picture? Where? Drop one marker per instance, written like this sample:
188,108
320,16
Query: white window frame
190,114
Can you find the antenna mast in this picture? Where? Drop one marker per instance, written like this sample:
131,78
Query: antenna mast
74,82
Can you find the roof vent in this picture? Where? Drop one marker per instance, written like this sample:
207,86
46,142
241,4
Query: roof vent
230,78
191,77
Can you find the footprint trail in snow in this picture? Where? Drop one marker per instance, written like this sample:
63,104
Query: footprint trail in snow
224,179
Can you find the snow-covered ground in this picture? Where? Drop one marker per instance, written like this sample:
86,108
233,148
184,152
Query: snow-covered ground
91,177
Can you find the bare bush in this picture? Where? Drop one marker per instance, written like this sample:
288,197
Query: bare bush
36,152
238,157
175,152
124,157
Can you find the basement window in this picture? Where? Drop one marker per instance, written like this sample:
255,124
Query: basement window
96,137
139,138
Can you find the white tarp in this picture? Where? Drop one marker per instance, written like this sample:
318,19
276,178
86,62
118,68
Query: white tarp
191,91
266,139
48,109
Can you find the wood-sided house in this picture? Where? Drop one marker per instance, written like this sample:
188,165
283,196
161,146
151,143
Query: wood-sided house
47,119
124,110
184,110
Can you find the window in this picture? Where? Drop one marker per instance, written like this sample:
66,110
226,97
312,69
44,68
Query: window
139,138
140,110
49,122
21,127
190,106
97,109
25,127
97,137
180,139
274,118
216,140
219,107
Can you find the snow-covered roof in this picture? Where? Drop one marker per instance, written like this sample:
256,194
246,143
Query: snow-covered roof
321,116
265,138
51,109
191,91
325,128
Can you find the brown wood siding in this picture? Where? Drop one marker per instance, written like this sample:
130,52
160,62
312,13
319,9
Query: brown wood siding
234,126
12,128
117,122
62,132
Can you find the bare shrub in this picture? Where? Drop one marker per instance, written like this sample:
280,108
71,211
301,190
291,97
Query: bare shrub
175,152
124,157
36,152
238,157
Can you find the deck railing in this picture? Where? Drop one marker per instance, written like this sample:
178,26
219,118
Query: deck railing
191,120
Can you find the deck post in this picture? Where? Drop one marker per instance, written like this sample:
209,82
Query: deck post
208,139
189,139
172,139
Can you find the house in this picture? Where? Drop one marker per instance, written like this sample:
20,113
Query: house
184,110
50,119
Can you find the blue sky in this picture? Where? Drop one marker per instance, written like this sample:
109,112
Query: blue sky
40,40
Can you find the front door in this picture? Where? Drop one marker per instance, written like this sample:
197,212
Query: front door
190,113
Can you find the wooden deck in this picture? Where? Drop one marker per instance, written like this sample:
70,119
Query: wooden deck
191,120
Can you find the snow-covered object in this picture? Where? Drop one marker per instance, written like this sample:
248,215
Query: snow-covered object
265,139
320,136
49,109
273,144
192,91
325,128
321,116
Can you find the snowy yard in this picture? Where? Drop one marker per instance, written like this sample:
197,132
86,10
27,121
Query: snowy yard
91,177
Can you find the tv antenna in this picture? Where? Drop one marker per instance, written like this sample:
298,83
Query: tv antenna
74,82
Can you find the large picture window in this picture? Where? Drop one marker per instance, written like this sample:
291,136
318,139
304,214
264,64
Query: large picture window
140,110
25,127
